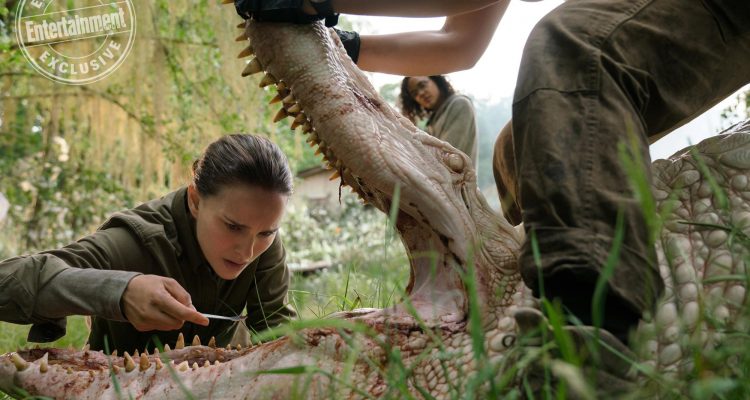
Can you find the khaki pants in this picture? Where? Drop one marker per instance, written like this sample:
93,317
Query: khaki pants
594,73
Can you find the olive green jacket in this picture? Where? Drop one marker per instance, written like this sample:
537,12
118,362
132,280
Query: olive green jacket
454,122
88,277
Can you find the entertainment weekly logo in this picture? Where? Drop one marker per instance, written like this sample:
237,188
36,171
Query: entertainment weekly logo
75,41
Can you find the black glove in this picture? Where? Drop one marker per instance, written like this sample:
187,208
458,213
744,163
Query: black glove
286,11
350,40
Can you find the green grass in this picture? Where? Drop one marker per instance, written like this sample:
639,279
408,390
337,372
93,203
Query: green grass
374,273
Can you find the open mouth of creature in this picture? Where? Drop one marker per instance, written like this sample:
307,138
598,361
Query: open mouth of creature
446,226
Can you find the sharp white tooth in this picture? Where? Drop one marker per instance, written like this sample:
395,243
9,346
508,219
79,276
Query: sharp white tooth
239,347
43,366
145,363
294,109
288,99
207,363
212,342
253,67
159,364
114,353
167,348
229,347
19,362
180,342
129,363
196,341
268,79
248,51
217,362
183,366
195,365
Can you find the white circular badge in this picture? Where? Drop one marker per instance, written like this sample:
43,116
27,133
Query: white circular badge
75,41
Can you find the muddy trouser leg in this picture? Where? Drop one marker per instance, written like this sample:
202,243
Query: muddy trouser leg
597,73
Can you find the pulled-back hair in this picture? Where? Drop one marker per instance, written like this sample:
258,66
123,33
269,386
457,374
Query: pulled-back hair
242,158
410,108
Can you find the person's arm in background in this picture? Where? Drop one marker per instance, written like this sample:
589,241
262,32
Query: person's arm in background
458,45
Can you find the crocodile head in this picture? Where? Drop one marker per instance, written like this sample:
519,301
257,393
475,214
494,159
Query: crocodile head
444,222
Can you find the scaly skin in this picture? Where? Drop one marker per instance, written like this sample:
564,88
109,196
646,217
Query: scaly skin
449,232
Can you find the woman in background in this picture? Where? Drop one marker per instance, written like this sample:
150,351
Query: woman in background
451,115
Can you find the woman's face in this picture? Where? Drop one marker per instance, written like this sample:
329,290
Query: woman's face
236,225
424,91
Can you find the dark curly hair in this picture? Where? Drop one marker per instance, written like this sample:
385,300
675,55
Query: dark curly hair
410,108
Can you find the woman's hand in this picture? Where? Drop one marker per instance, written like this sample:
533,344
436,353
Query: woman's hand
152,302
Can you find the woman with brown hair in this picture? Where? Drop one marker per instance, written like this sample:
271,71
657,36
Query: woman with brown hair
450,115
211,246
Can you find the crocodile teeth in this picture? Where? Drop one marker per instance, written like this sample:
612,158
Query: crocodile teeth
136,354
241,25
158,363
239,347
207,363
268,79
195,366
241,38
229,347
196,341
336,174
167,348
212,342
19,362
253,67
180,342
43,366
183,366
145,351
145,363
115,369
247,52
280,115
129,363
217,363
275,99
294,109
288,99
156,352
